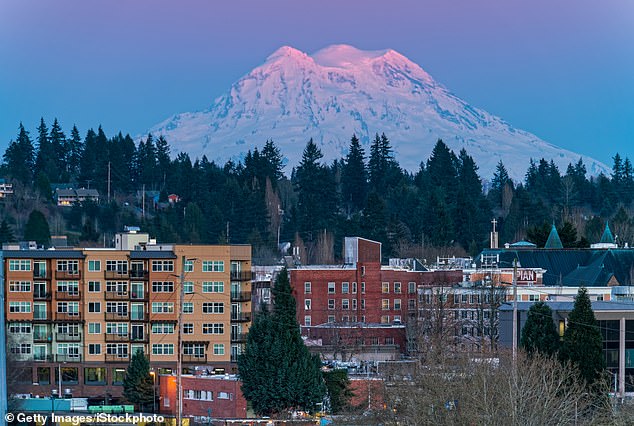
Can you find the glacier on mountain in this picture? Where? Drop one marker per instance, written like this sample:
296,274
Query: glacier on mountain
340,91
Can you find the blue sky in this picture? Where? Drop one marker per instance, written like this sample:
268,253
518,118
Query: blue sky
563,70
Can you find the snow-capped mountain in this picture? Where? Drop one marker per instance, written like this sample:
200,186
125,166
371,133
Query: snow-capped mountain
339,91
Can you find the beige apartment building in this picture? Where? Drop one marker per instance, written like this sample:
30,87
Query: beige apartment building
84,312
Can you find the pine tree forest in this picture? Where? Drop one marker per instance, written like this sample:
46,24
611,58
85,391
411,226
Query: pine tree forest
443,208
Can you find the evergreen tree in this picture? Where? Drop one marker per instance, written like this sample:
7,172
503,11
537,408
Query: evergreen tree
539,334
278,372
6,233
60,152
88,159
354,180
163,160
498,184
138,383
74,153
36,228
272,162
19,158
374,224
582,342
338,386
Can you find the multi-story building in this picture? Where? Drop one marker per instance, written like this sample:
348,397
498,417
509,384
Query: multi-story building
84,312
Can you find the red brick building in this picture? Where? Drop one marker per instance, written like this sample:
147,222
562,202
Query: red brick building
204,397
359,293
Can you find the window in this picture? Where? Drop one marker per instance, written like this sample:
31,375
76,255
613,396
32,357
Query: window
385,304
345,287
307,320
331,318
118,266
120,308
162,328
94,348
345,318
162,349
19,265
354,288
354,304
385,287
307,287
71,350
39,310
188,287
600,298
213,308
345,304
71,266
94,328
213,266
389,340
411,287
533,297
20,328
162,266
189,266
411,304
162,307
219,349
331,304
188,328
331,288
119,328
363,287
397,319
397,304
362,303
188,307
94,307
385,319
20,348
363,271
397,288
213,287
213,328
94,265
307,303
94,287
20,307
20,286
162,286
70,287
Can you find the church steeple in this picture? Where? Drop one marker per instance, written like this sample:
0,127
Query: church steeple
553,242
607,237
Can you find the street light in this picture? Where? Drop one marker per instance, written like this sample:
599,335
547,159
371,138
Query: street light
153,374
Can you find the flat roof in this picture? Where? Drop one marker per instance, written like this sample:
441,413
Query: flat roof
42,254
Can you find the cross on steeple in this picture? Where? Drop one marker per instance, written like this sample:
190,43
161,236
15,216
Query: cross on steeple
494,222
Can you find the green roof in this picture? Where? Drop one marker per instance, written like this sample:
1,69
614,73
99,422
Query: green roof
553,242
607,236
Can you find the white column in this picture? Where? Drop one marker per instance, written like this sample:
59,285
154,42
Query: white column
622,358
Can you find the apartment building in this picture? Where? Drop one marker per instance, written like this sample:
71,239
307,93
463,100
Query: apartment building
82,313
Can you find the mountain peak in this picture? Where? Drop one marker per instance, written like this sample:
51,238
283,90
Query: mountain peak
344,55
286,51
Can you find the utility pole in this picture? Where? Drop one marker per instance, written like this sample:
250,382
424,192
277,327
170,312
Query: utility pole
514,311
179,363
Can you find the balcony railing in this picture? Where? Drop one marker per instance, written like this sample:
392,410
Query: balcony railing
138,295
68,316
116,337
41,275
117,357
140,339
43,358
68,358
198,358
238,337
138,316
68,295
42,337
137,274
241,275
67,275
68,337
242,317
117,295
41,317
240,296
117,316
40,295
116,275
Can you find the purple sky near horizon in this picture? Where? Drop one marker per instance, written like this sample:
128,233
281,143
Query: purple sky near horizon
563,70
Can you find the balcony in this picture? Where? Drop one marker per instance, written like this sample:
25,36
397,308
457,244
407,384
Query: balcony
238,337
241,275
194,358
139,339
68,295
42,337
41,317
68,337
67,275
43,358
117,316
234,357
68,316
241,317
117,295
240,296
117,358
41,275
137,274
68,358
116,337
40,295
139,295
116,275
138,316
